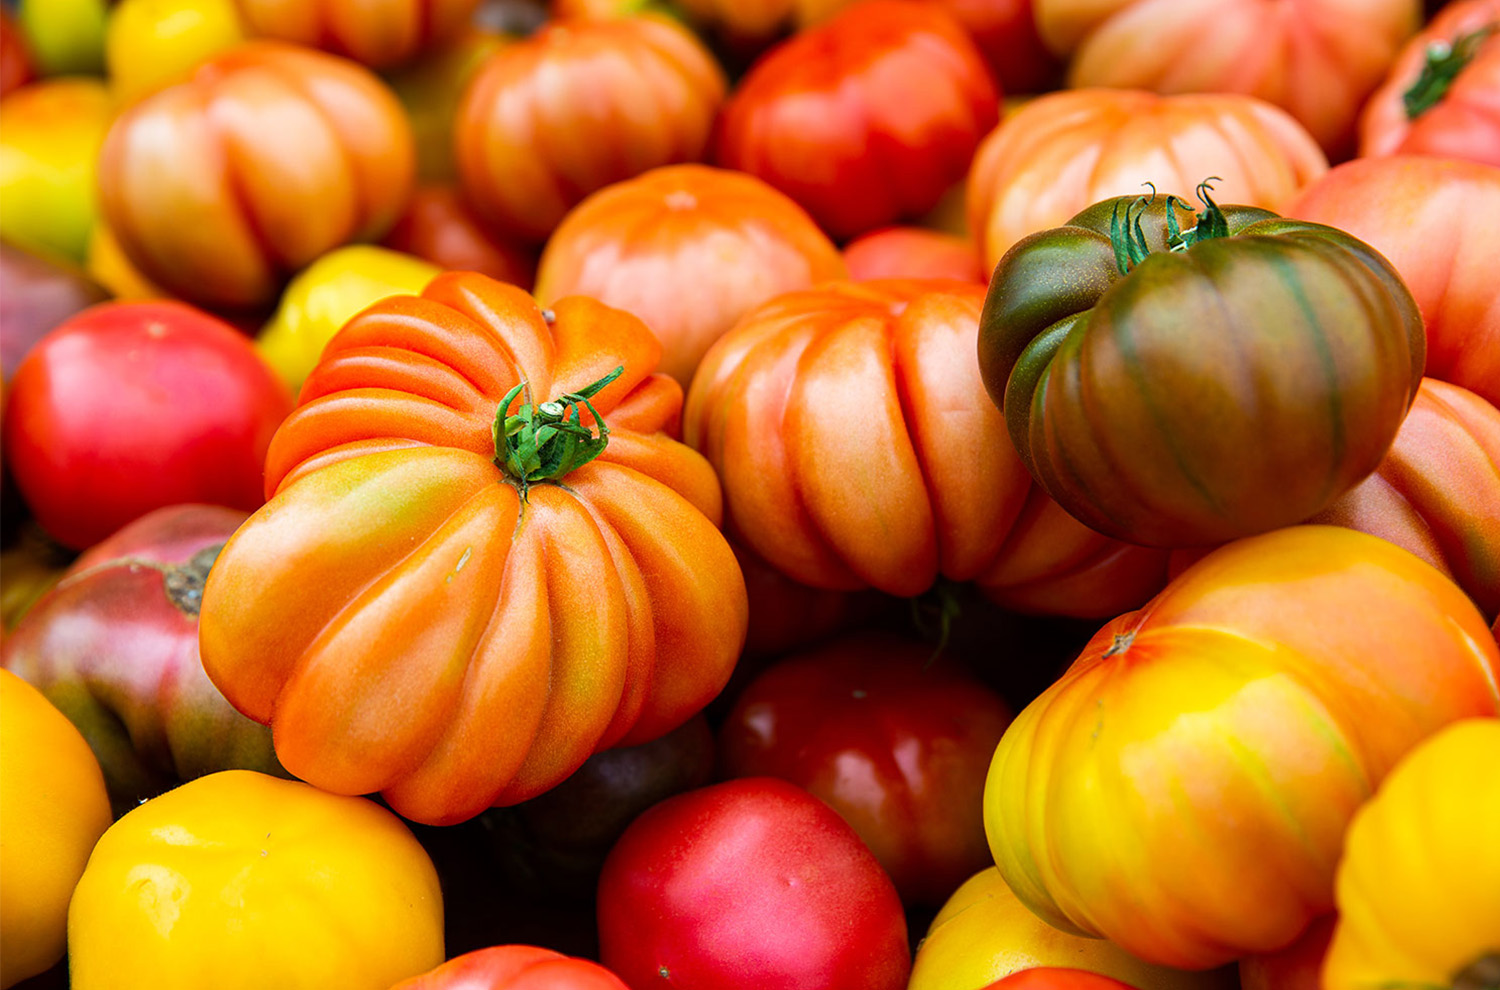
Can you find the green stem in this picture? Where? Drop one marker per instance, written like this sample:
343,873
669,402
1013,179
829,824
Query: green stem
544,442
1444,63
1128,238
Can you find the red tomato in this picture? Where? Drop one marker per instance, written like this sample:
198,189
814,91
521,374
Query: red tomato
912,252
749,885
129,407
15,61
439,226
1057,979
865,120
1297,967
515,967
896,744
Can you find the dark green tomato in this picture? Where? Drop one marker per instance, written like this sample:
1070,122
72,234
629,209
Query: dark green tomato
1227,388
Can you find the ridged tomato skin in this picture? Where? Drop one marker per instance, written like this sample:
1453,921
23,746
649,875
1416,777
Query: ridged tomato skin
482,637
377,33
1228,732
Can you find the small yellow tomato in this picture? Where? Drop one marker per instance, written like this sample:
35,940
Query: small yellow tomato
108,265
240,881
151,44
64,36
984,934
53,808
326,295
50,133
1418,889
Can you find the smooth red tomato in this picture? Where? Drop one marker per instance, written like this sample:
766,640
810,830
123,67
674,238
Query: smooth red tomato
515,967
895,743
439,226
913,252
129,407
1057,979
749,885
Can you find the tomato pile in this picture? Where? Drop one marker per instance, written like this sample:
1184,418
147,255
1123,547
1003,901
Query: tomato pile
750,495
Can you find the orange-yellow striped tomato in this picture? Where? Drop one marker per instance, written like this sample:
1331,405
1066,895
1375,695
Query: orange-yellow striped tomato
1419,886
241,881
1184,788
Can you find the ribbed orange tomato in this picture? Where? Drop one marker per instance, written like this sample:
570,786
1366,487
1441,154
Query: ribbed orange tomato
448,599
380,33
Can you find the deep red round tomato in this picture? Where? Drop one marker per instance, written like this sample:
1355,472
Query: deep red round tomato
1052,978
896,744
129,407
748,885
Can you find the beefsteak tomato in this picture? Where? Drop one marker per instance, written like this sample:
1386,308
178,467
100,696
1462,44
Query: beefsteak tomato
515,967
379,33
1227,732
1184,390
456,607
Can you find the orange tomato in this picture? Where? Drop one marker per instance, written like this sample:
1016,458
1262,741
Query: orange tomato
576,107
1226,733
688,249
379,33
270,155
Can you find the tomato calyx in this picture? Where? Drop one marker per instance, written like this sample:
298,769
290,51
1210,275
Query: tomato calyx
1482,974
1444,63
1129,240
544,441
184,583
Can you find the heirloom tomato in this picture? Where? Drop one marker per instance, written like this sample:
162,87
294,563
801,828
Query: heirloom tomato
1419,884
338,169
515,967
1297,967
689,249
37,294
1434,219
1437,493
16,69
240,881
1052,978
379,33
439,227
53,808
912,252
455,607
1442,97
576,107
985,934
115,647
897,744
129,407
1065,151
1227,732
865,120
151,44
1183,390
1317,59
785,615
749,884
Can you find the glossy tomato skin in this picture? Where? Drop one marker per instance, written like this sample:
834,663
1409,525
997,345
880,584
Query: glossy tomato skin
1261,698
515,967
504,639
1062,152
749,884
1464,122
912,252
379,33
440,227
260,209
1432,218
129,407
883,149
1057,979
1130,397
576,107
894,742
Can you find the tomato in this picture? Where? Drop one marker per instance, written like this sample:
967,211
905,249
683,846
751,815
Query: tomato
1057,979
896,744
36,294
1296,967
489,608
151,44
379,33
1317,59
439,226
53,809
833,118
238,880
1128,371
785,615
129,407
579,106
339,169
748,884
1437,492
107,264
16,69
984,934
430,89
1065,151
688,249
115,647
515,967
912,252
1431,218
1419,884
1440,96
1227,732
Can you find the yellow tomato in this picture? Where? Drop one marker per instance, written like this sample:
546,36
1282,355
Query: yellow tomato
53,808
64,36
50,133
108,266
326,295
984,933
240,881
151,44
1418,889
